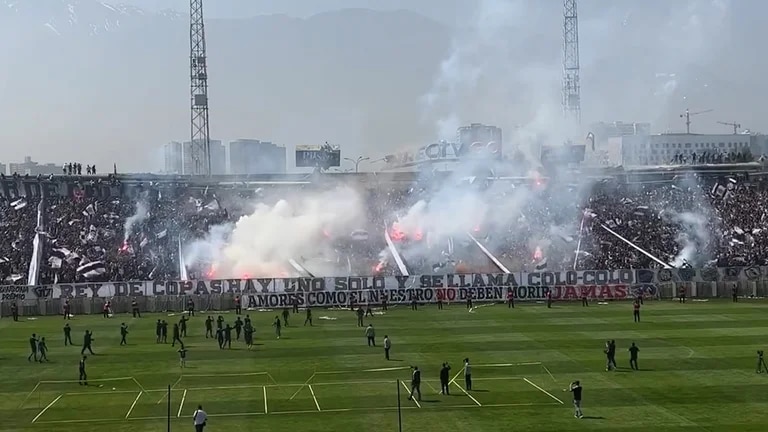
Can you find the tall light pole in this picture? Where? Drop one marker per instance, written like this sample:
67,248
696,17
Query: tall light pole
357,161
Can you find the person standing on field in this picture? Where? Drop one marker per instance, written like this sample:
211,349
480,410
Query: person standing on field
200,418
371,335
575,388
467,374
636,311
633,350
387,346
277,326
67,334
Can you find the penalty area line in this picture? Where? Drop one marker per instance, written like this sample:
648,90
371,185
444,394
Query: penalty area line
314,397
266,408
133,405
47,408
543,391
405,386
467,393
181,405
162,398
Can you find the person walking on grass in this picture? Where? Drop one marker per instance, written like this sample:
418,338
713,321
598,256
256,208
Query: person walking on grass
42,348
633,350
33,348
200,419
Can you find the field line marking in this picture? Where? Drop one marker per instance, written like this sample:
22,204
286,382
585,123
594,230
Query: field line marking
181,405
226,387
508,364
133,405
266,409
409,392
456,376
432,387
510,378
354,382
224,375
543,391
385,369
333,410
302,387
162,398
468,395
247,414
314,398
93,381
100,392
47,408
549,373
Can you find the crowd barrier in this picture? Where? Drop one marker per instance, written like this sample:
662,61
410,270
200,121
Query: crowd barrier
50,305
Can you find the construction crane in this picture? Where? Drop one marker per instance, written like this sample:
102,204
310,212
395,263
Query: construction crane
687,116
735,126
571,85
200,143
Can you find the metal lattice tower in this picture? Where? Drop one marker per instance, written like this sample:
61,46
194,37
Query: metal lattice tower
571,85
200,131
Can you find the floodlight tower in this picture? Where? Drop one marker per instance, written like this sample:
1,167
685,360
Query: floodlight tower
200,131
571,85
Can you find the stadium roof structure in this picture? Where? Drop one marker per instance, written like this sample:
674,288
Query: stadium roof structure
632,174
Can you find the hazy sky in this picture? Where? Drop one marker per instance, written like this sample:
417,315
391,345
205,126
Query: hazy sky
74,87
444,10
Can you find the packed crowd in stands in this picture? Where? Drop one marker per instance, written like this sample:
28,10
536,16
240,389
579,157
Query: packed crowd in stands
137,238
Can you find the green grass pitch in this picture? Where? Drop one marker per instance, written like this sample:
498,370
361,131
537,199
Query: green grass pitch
697,372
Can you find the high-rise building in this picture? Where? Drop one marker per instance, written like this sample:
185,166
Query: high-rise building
30,167
666,149
477,132
249,156
192,166
179,159
173,158
604,149
603,131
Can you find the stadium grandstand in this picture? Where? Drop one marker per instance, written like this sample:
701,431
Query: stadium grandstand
136,227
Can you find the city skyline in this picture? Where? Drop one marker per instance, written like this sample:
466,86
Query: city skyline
241,156
495,62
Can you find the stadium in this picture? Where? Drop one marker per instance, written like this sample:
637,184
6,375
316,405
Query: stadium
475,285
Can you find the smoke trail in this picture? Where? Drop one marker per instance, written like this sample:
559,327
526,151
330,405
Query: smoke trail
693,239
477,55
141,214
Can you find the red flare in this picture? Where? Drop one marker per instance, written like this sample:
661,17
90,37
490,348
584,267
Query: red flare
477,228
396,234
246,276
418,235
326,234
538,254
378,268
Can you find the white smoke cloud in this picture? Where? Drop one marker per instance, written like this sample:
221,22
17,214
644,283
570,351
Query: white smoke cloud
505,65
140,215
295,227
693,239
